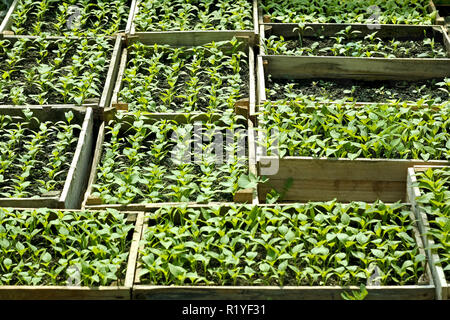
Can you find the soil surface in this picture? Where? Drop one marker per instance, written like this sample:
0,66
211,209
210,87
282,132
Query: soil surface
360,91
404,49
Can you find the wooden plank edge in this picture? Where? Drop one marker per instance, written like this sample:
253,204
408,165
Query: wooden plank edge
118,84
95,162
130,18
134,250
72,194
112,74
8,20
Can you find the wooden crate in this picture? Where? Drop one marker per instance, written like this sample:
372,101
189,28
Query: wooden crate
359,68
262,74
72,193
84,293
5,27
106,94
245,106
413,191
155,292
323,179
94,203
198,37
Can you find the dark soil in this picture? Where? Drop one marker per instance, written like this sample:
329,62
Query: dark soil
360,91
413,48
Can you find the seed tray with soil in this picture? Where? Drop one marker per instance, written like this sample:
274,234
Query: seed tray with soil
215,77
302,251
355,51
52,71
141,160
44,156
73,18
425,91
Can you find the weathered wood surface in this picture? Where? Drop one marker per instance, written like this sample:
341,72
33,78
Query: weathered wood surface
113,69
347,180
93,203
302,67
76,181
7,20
413,192
141,292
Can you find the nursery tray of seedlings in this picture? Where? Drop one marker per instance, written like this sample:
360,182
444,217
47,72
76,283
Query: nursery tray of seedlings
46,155
50,254
377,13
429,195
347,89
313,251
352,50
144,161
215,77
195,22
58,71
318,152
62,18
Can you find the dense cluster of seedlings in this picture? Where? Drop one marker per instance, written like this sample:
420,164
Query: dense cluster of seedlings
209,78
35,156
181,15
434,185
302,244
349,11
168,161
51,247
420,92
40,71
347,42
73,17
347,131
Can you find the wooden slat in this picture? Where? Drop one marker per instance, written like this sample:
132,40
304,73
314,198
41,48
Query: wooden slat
277,293
342,168
292,67
191,38
261,82
8,20
255,18
431,8
76,180
130,17
413,191
112,74
95,162
133,254
252,89
63,293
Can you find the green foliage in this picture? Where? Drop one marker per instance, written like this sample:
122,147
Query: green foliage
434,185
347,42
347,131
349,11
302,244
207,78
356,295
61,18
39,247
65,71
182,15
170,162
35,156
